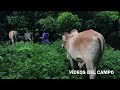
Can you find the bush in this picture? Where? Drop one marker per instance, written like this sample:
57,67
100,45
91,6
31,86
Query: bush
44,61
32,61
111,61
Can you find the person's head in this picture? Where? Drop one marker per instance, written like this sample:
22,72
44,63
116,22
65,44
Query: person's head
44,31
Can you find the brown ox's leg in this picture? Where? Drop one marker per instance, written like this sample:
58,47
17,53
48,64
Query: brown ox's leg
81,64
91,70
74,64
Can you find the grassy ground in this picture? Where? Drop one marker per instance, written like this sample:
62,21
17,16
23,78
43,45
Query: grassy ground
40,61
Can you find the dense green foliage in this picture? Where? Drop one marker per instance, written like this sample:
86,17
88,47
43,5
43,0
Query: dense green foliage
36,61
107,16
65,21
106,22
40,61
48,22
90,24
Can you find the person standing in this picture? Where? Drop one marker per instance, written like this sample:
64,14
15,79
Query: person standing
45,37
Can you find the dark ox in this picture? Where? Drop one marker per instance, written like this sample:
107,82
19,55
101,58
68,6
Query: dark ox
28,36
25,37
86,48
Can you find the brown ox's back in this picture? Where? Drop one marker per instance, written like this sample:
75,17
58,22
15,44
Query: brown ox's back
83,39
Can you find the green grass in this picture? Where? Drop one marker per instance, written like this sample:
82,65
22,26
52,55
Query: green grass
40,61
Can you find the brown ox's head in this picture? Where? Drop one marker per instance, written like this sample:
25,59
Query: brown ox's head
67,35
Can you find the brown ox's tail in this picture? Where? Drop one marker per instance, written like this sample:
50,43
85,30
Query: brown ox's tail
102,46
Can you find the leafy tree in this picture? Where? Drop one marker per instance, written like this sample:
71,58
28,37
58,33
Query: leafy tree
106,21
66,21
48,22
107,16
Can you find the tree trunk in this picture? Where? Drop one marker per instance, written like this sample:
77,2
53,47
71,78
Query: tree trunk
35,14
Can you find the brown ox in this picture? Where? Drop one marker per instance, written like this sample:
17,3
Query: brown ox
86,47
13,35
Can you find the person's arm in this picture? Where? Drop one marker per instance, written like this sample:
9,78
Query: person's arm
43,36
40,37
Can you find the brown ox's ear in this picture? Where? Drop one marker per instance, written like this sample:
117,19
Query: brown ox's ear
74,31
65,36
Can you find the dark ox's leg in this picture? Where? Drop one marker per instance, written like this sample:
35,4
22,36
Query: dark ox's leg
30,40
